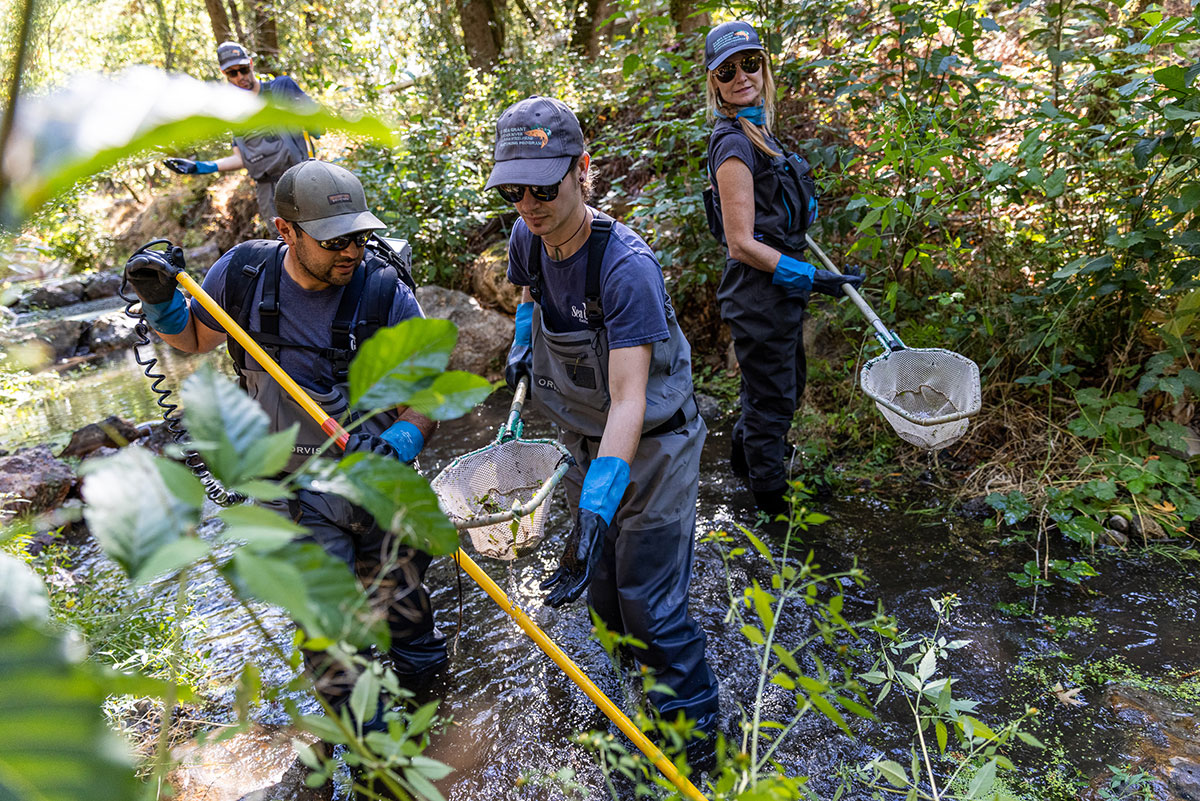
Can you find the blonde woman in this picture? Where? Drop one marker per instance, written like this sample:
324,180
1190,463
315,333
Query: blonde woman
761,204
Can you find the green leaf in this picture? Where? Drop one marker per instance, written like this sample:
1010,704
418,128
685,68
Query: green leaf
893,772
785,658
422,785
630,65
129,508
828,710
1056,183
398,497
263,530
928,665
762,606
754,635
22,593
451,395
939,729
54,742
1174,112
323,727
1030,740
982,781
431,768
399,361
364,698
172,557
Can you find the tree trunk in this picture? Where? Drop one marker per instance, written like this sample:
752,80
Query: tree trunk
266,37
220,21
237,24
685,20
589,33
483,31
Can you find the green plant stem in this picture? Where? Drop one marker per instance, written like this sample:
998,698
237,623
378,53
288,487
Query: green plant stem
162,751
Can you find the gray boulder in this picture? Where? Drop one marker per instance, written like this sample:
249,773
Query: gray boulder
49,341
52,295
484,335
112,432
101,285
113,331
32,481
489,280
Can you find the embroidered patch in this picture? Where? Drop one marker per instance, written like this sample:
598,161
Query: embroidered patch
340,197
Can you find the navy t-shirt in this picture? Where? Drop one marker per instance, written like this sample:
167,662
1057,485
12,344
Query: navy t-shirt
305,318
731,142
632,292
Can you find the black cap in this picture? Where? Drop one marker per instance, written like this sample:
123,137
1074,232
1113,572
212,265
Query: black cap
535,142
729,38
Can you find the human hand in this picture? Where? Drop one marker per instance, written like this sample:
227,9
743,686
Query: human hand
827,282
189,167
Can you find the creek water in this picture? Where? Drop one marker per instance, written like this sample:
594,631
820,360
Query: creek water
514,713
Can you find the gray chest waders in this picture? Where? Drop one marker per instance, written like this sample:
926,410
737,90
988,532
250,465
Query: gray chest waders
268,154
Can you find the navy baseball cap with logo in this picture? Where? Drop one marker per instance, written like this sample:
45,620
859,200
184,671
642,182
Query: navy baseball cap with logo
729,38
325,199
231,54
536,139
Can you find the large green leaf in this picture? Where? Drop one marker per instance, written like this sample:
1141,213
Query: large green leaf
317,590
231,431
451,395
131,509
129,113
261,529
399,361
22,594
54,744
397,497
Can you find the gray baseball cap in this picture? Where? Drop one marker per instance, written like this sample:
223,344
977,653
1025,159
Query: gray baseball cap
535,142
231,54
729,38
325,199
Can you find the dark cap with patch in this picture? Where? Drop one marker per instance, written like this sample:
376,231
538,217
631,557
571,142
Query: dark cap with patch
729,38
327,200
535,142
231,54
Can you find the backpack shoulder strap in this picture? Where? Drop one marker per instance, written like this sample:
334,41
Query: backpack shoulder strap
597,244
534,268
250,261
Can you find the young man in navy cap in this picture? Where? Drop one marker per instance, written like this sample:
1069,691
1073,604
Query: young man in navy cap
266,155
598,338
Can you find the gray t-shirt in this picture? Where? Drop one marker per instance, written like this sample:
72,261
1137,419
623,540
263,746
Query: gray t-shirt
632,292
305,318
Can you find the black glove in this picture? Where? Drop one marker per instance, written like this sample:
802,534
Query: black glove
580,555
152,273
362,442
520,363
830,283
181,166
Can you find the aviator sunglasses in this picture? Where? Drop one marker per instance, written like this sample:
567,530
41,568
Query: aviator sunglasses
750,64
341,242
512,193
237,72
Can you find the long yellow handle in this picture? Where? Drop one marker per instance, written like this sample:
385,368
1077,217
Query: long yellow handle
548,646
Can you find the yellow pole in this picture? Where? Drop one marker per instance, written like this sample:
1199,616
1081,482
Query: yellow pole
548,646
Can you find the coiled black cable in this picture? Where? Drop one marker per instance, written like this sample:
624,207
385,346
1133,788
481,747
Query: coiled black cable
170,411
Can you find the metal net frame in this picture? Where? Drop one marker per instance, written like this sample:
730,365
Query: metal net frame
927,394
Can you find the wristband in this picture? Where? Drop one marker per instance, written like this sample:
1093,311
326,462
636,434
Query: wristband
168,317
605,483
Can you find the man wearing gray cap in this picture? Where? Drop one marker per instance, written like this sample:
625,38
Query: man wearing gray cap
310,300
266,155
597,335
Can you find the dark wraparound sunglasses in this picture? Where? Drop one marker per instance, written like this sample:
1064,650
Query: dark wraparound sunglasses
237,72
512,193
750,64
341,242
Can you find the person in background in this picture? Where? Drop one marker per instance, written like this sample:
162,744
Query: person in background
761,203
266,155
608,363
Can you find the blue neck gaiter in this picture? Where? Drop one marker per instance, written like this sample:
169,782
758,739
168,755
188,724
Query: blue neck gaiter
753,113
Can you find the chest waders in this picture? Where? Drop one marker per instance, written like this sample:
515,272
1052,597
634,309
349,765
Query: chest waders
363,309
640,586
267,156
766,325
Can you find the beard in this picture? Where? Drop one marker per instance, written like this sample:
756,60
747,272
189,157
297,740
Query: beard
314,261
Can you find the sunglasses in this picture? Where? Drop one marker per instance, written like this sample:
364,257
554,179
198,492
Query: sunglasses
727,71
341,242
237,72
512,193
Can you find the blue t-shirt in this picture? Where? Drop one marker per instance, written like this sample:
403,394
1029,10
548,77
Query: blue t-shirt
632,292
305,318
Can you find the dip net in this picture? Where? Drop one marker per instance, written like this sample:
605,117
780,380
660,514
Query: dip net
927,394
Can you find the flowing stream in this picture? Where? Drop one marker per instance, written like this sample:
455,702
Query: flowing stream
514,713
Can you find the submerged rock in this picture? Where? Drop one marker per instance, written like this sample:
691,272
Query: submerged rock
32,481
259,764
1164,738
112,432
113,331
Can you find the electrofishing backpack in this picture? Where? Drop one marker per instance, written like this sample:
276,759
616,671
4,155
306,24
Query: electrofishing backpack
261,260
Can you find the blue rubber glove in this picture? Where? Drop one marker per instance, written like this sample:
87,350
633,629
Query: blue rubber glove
167,318
189,167
520,355
794,276
605,483
830,283
406,438
152,273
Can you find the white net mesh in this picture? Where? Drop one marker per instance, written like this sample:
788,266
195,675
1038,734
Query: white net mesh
490,480
927,394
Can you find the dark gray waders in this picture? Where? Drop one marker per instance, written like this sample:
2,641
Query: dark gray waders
267,156
640,586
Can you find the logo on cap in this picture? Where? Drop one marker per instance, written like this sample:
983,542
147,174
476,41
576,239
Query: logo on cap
340,197
540,134
523,136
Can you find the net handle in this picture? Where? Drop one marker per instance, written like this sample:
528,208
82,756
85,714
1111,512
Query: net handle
513,426
519,509
887,338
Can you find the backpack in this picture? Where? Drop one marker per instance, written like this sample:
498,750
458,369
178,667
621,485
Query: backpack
261,260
